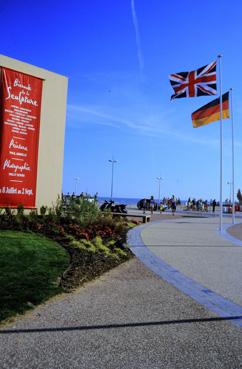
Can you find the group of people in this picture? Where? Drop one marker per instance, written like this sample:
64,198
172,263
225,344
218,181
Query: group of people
200,205
171,203
150,204
70,198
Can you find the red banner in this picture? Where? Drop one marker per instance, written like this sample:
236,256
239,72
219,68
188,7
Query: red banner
19,137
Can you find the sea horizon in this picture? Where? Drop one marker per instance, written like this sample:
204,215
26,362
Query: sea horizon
127,200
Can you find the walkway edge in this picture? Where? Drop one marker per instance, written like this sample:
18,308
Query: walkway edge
211,300
225,234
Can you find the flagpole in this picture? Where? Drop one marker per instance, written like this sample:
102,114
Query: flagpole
221,146
232,140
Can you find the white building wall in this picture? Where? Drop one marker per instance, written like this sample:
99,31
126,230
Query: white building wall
52,130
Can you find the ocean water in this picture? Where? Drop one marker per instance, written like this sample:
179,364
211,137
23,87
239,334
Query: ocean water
121,200
127,200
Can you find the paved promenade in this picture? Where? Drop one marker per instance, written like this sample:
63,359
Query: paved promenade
132,318
195,257
195,248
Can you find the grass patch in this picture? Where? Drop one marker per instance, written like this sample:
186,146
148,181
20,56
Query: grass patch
30,267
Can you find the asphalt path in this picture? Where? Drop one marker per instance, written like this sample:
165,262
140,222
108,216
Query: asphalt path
129,318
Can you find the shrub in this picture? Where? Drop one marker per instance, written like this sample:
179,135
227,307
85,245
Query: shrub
43,210
239,196
101,247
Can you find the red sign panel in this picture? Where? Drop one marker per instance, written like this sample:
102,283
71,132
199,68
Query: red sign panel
19,137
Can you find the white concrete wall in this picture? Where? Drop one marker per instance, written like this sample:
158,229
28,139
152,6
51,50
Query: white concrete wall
52,129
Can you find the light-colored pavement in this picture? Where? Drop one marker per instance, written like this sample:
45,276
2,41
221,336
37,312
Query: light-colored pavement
195,248
127,319
191,254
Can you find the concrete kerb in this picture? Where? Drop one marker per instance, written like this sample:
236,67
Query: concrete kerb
211,300
228,236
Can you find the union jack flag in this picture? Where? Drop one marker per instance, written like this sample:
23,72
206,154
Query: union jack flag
199,82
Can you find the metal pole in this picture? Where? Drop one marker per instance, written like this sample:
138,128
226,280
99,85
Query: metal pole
221,146
159,191
159,179
112,162
76,180
230,191
232,140
112,183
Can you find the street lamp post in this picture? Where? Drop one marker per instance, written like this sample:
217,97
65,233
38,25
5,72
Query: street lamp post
159,179
112,161
230,190
76,180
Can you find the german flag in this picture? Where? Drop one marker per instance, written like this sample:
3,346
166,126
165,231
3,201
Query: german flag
211,112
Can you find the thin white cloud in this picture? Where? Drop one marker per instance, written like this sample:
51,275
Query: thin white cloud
138,39
102,117
151,126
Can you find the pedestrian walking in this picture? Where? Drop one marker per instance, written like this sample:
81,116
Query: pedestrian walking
173,206
214,205
144,205
161,207
152,204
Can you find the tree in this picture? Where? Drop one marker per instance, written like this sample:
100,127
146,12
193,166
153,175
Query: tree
239,196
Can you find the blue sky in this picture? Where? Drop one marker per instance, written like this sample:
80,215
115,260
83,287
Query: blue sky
117,56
